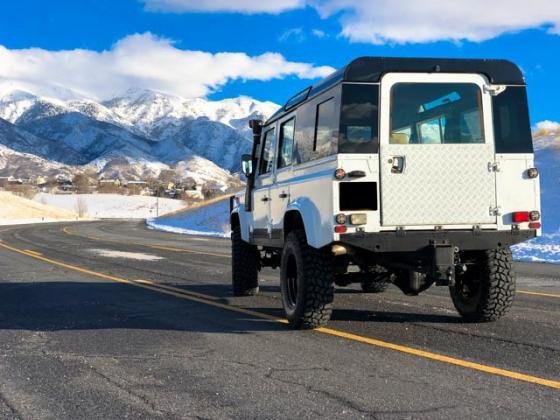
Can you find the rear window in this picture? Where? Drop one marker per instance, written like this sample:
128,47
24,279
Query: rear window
436,113
512,130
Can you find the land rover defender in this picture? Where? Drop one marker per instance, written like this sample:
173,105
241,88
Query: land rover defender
391,170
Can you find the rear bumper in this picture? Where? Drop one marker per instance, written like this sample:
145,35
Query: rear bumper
411,241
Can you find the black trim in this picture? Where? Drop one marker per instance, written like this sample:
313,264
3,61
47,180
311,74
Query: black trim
372,69
411,241
263,238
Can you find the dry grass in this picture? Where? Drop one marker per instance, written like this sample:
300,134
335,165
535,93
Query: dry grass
15,208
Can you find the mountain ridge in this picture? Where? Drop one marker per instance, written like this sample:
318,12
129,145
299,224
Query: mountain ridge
148,130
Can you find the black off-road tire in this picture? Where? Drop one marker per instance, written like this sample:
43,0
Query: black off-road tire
244,265
486,291
306,282
376,280
374,285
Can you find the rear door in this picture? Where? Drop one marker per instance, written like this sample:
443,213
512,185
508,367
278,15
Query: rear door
436,151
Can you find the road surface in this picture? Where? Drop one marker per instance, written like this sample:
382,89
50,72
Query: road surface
110,320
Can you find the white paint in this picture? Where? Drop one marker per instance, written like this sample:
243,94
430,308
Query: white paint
109,253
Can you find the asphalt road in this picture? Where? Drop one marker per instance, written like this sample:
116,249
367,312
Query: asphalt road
112,320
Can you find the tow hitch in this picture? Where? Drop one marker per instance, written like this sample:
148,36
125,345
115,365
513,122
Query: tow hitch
443,265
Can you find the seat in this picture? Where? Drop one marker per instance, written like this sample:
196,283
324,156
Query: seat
398,138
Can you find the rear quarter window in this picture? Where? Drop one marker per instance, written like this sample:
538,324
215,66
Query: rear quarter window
512,130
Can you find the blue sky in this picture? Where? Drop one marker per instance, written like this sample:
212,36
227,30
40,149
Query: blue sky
308,37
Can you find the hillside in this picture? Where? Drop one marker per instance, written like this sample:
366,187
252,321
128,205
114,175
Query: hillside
18,210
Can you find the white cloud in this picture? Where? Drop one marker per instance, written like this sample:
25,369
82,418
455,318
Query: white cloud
296,35
144,61
241,6
319,33
406,21
381,21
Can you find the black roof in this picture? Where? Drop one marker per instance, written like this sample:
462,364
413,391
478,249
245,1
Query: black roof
372,69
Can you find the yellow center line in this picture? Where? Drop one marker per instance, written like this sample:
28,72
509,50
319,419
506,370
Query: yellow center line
525,292
33,252
210,300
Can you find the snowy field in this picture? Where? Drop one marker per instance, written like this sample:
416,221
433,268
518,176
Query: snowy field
111,205
210,220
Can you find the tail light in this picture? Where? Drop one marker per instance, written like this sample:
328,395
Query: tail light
535,225
520,216
534,216
340,229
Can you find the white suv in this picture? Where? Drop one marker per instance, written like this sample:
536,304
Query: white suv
391,170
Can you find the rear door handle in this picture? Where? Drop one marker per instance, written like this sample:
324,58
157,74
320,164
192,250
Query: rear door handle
397,164
265,199
283,195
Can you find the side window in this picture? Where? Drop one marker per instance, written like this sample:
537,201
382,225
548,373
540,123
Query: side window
286,143
325,130
267,148
512,130
304,133
359,119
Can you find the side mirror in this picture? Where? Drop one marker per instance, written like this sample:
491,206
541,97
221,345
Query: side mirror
247,165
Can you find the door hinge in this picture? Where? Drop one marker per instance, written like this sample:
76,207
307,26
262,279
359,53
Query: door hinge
494,90
495,211
493,167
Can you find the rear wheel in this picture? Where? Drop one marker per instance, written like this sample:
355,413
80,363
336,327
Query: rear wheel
485,292
244,265
306,282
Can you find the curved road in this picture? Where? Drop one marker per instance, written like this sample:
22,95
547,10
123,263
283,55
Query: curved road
109,319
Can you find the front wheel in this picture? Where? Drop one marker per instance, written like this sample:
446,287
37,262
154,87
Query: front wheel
244,265
485,292
306,282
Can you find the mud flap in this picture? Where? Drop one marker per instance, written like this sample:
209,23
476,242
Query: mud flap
443,262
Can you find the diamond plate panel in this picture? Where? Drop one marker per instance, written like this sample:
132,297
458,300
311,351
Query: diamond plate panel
440,185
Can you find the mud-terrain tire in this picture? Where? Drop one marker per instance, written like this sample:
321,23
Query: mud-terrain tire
376,280
306,283
374,285
244,265
486,291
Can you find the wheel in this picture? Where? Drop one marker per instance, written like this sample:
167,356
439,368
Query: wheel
306,282
374,285
486,290
244,265
376,280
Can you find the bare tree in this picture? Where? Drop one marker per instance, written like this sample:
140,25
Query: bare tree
81,206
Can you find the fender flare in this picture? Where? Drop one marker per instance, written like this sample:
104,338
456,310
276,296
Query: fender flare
244,221
312,221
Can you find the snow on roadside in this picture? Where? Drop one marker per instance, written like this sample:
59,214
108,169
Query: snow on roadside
210,220
111,205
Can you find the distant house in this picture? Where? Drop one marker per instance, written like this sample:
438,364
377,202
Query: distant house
10,180
41,182
129,184
110,182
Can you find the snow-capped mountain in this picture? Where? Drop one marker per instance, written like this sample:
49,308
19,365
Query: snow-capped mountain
133,135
